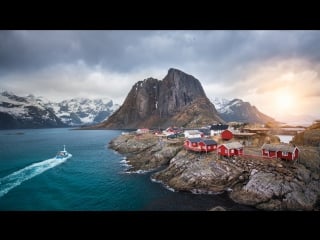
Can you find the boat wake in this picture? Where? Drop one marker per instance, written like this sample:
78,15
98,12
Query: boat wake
15,179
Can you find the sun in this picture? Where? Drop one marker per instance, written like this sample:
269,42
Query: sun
284,101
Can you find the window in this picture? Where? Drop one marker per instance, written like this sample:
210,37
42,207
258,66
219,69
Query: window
284,154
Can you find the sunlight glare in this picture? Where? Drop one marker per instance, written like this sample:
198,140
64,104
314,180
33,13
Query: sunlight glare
284,101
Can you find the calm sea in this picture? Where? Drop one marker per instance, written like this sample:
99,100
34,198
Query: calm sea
285,138
94,178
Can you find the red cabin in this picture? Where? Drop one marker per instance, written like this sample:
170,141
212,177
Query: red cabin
226,135
200,145
282,151
230,149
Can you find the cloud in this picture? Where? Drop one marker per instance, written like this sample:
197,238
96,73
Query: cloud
267,81
230,64
65,81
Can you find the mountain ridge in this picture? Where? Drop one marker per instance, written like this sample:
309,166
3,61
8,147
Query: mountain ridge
18,112
156,103
237,110
177,99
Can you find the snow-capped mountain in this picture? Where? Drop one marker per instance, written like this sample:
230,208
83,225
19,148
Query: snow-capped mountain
220,103
38,112
25,112
83,111
239,111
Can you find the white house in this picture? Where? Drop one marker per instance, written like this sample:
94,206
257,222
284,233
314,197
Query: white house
193,134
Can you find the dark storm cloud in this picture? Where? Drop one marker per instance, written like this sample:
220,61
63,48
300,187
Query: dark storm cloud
107,63
31,50
124,51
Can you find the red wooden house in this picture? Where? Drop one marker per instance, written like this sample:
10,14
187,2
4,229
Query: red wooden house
226,135
230,149
208,145
200,145
282,151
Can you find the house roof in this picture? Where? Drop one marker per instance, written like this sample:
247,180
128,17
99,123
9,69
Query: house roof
219,127
278,147
224,131
205,141
205,131
192,132
193,140
243,134
209,142
232,145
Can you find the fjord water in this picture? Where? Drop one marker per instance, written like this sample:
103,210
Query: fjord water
93,179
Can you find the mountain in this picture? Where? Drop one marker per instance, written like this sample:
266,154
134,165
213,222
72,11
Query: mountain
37,112
83,111
178,99
298,119
25,112
237,110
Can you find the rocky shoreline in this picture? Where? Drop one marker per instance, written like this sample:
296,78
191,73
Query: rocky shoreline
263,184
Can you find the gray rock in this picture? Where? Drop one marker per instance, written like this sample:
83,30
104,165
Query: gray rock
260,183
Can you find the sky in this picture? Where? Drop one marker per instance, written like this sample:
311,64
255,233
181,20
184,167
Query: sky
276,71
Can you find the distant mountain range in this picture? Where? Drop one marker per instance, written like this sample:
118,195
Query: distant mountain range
178,99
236,110
37,112
83,111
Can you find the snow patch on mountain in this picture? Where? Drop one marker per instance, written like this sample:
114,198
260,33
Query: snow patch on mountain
32,111
79,111
219,103
17,106
239,111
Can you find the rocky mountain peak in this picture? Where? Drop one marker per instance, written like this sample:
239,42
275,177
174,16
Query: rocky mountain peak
154,103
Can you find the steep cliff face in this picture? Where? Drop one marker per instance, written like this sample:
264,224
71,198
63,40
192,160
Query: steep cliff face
155,103
178,89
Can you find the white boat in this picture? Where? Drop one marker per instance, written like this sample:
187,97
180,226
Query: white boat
63,154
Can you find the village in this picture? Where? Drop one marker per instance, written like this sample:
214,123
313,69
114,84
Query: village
248,162
226,141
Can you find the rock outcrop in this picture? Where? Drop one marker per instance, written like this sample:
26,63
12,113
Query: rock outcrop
178,99
268,184
145,152
309,137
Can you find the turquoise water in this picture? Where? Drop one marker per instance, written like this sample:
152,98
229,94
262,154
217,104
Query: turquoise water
93,179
